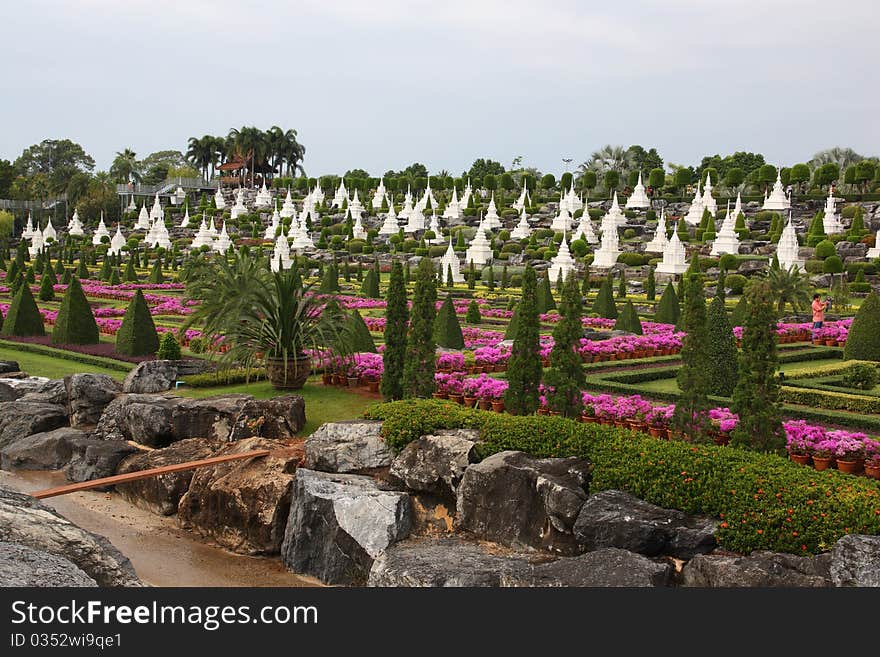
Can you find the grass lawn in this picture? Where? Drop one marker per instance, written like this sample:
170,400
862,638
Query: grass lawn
323,403
53,368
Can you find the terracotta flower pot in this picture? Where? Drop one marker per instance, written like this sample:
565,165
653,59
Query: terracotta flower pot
589,419
800,459
373,386
439,395
470,401
458,399
290,374
484,404
353,382
872,471
822,462
327,378
543,411
850,466
830,343
498,405
657,432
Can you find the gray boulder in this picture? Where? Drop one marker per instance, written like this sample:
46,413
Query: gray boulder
161,494
24,566
22,418
25,520
88,396
243,505
760,569
453,562
145,419
279,418
92,458
340,523
8,392
855,561
436,464
9,366
160,375
210,417
50,450
613,518
751,266
517,500
354,446
52,391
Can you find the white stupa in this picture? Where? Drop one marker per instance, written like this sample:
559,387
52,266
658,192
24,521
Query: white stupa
407,208
100,231
434,226
609,250
695,213
318,195
264,197
156,210
788,251
830,221
584,229
479,251
49,232
466,196
37,243
272,228
415,221
574,203
639,198
239,208
727,241
301,239
522,230
357,230
378,195
74,226
355,207
709,202
28,231
520,203
562,220
281,254
674,257
288,209
737,208
658,242
389,226
426,196
117,242
222,243
132,206
160,237
453,208
184,223
179,195
341,195
219,201
874,251
203,236
561,262
777,199
615,213
143,221
492,221
450,260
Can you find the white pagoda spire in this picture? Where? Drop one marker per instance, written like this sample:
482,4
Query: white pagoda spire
674,257
658,243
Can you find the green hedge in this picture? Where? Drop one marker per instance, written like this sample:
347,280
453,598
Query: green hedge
224,378
73,356
836,401
764,502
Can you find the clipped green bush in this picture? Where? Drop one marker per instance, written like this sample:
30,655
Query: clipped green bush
604,305
863,340
861,376
137,335
47,293
75,323
546,302
736,283
824,249
23,317
628,320
169,347
473,313
667,310
355,335
447,330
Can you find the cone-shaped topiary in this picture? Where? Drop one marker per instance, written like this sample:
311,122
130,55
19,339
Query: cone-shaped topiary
156,275
130,272
114,277
740,312
691,416
565,379
75,323
396,314
23,317
370,287
524,366
447,330
473,313
59,267
66,276
330,280
863,341
651,285
104,274
82,271
604,306
667,310
47,293
355,336
546,302
629,320
419,365
137,336
722,350
169,347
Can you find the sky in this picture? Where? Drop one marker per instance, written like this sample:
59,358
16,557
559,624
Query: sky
379,84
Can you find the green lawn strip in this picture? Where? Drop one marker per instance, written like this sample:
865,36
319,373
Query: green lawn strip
38,360
323,403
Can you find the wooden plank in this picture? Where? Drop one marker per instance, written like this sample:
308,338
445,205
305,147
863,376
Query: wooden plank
145,474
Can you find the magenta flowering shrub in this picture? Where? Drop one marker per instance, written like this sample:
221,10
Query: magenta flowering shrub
453,360
491,355
451,383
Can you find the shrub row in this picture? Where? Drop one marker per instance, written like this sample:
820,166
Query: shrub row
224,378
836,401
73,356
764,502
830,369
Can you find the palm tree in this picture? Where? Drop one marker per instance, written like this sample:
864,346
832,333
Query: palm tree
609,158
842,157
293,153
125,167
251,145
201,153
789,286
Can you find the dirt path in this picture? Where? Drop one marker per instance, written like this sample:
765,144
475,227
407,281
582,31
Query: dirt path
162,553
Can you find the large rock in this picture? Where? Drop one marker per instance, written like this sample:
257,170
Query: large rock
453,562
9,393
517,500
210,417
760,569
52,391
855,561
279,418
354,446
9,366
339,523
436,464
88,396
161,375
161,494
92,458
50,450
242,505
25,520
24,566
143,418
22,418
616,519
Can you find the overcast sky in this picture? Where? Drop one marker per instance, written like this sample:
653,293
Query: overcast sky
378,84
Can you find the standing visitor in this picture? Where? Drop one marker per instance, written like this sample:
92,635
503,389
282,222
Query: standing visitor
819,308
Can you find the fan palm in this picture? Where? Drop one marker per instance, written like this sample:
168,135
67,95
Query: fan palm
789,286
842,157
251,144
125,167
609,158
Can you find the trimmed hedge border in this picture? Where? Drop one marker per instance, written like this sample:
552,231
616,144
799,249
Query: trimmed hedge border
224,378
764,501
835,401
85,359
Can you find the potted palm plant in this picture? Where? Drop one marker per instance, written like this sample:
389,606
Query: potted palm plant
262,317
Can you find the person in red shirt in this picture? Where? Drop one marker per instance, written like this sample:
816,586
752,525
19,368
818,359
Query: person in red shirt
818,307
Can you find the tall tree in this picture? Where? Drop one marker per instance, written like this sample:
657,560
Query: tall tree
125,167
756,396
691,416
418,372
722,350
566,375
524,366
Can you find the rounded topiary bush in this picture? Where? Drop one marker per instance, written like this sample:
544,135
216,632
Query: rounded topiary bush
863,340
75,323
137,335
860,376
824,249
169,348
736,283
